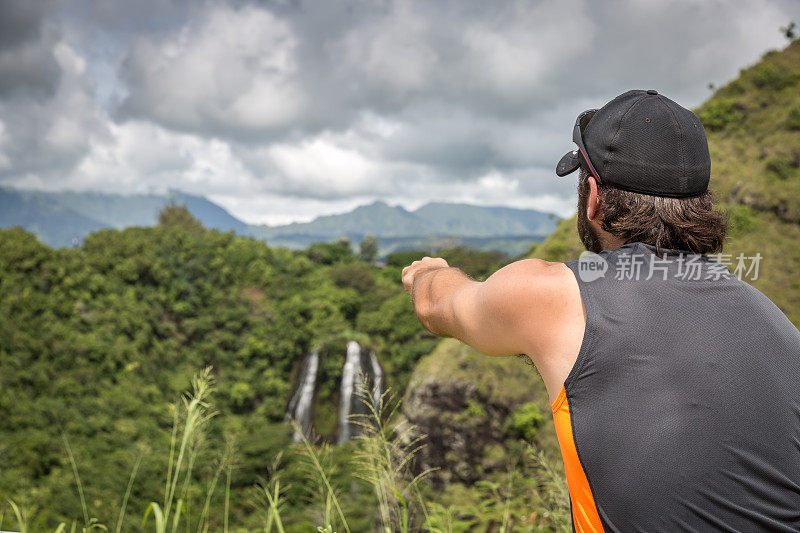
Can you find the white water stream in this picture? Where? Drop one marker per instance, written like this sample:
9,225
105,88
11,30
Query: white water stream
300,404
377,381
350,380
299,407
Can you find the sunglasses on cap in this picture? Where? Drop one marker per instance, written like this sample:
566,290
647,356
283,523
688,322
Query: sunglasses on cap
572,160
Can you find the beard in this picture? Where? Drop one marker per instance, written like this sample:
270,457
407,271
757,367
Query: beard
588,234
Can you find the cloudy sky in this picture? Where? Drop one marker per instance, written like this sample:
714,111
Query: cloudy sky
284,110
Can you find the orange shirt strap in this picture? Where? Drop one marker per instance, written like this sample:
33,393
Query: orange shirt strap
584,510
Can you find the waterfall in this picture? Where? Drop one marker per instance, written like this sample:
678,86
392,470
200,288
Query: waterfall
350,380
377,380
358,362
300,404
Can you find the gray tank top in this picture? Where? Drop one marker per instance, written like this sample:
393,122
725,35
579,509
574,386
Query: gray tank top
685,397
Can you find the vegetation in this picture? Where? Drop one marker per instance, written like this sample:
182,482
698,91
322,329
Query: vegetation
379,462
368,249
97,341
479,264
721,114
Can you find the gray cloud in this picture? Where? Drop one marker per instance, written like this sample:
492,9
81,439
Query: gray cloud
315,102
47,109
26,58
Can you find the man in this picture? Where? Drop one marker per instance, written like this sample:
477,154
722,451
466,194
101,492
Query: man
675,386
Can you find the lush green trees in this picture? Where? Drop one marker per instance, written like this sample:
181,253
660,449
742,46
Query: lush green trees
96,341
177,216
478,264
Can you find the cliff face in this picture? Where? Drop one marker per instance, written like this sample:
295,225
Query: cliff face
467,404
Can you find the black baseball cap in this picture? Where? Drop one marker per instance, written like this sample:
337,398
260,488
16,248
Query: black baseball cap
642,141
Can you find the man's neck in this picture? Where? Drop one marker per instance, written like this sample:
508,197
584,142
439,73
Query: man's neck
610,242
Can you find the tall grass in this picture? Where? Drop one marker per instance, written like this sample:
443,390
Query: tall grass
194,411
20,514
191,415
314,458
124,505
382,459
225,464
384,455
383,452
268,496
552,489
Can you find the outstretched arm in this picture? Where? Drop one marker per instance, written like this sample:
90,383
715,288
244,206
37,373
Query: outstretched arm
500,316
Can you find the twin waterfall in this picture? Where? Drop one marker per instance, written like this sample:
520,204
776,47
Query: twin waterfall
300,404
358,363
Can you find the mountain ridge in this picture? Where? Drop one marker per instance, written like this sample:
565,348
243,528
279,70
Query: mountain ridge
65,218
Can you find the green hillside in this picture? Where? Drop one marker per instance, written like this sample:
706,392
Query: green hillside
753,129
98,342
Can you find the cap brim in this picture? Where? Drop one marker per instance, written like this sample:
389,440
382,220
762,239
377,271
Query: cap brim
568,164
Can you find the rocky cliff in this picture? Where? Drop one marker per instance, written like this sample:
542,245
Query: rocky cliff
468,405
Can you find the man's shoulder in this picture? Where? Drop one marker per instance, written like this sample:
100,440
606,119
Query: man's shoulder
545,302
536,272
535,280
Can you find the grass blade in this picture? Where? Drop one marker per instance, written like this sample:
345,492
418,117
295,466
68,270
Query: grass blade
77,480
227,498
158,515
128,492
22,521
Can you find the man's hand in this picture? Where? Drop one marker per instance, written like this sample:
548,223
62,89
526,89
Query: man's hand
424,264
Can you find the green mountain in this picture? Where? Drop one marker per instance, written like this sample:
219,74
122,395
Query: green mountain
378,217
753,128
478,221
63,218
435,218
54,223
433,226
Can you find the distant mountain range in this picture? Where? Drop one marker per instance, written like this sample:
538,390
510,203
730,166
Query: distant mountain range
433,225
65,218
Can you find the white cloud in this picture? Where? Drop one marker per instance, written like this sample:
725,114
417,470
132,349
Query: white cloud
140,156
231,70
283,111
323,168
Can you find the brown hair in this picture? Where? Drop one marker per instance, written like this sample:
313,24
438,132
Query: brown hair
690,224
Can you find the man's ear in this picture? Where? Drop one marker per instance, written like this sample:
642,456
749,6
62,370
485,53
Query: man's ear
593,203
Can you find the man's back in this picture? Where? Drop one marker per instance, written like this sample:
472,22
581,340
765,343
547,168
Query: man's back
675,386
682,411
